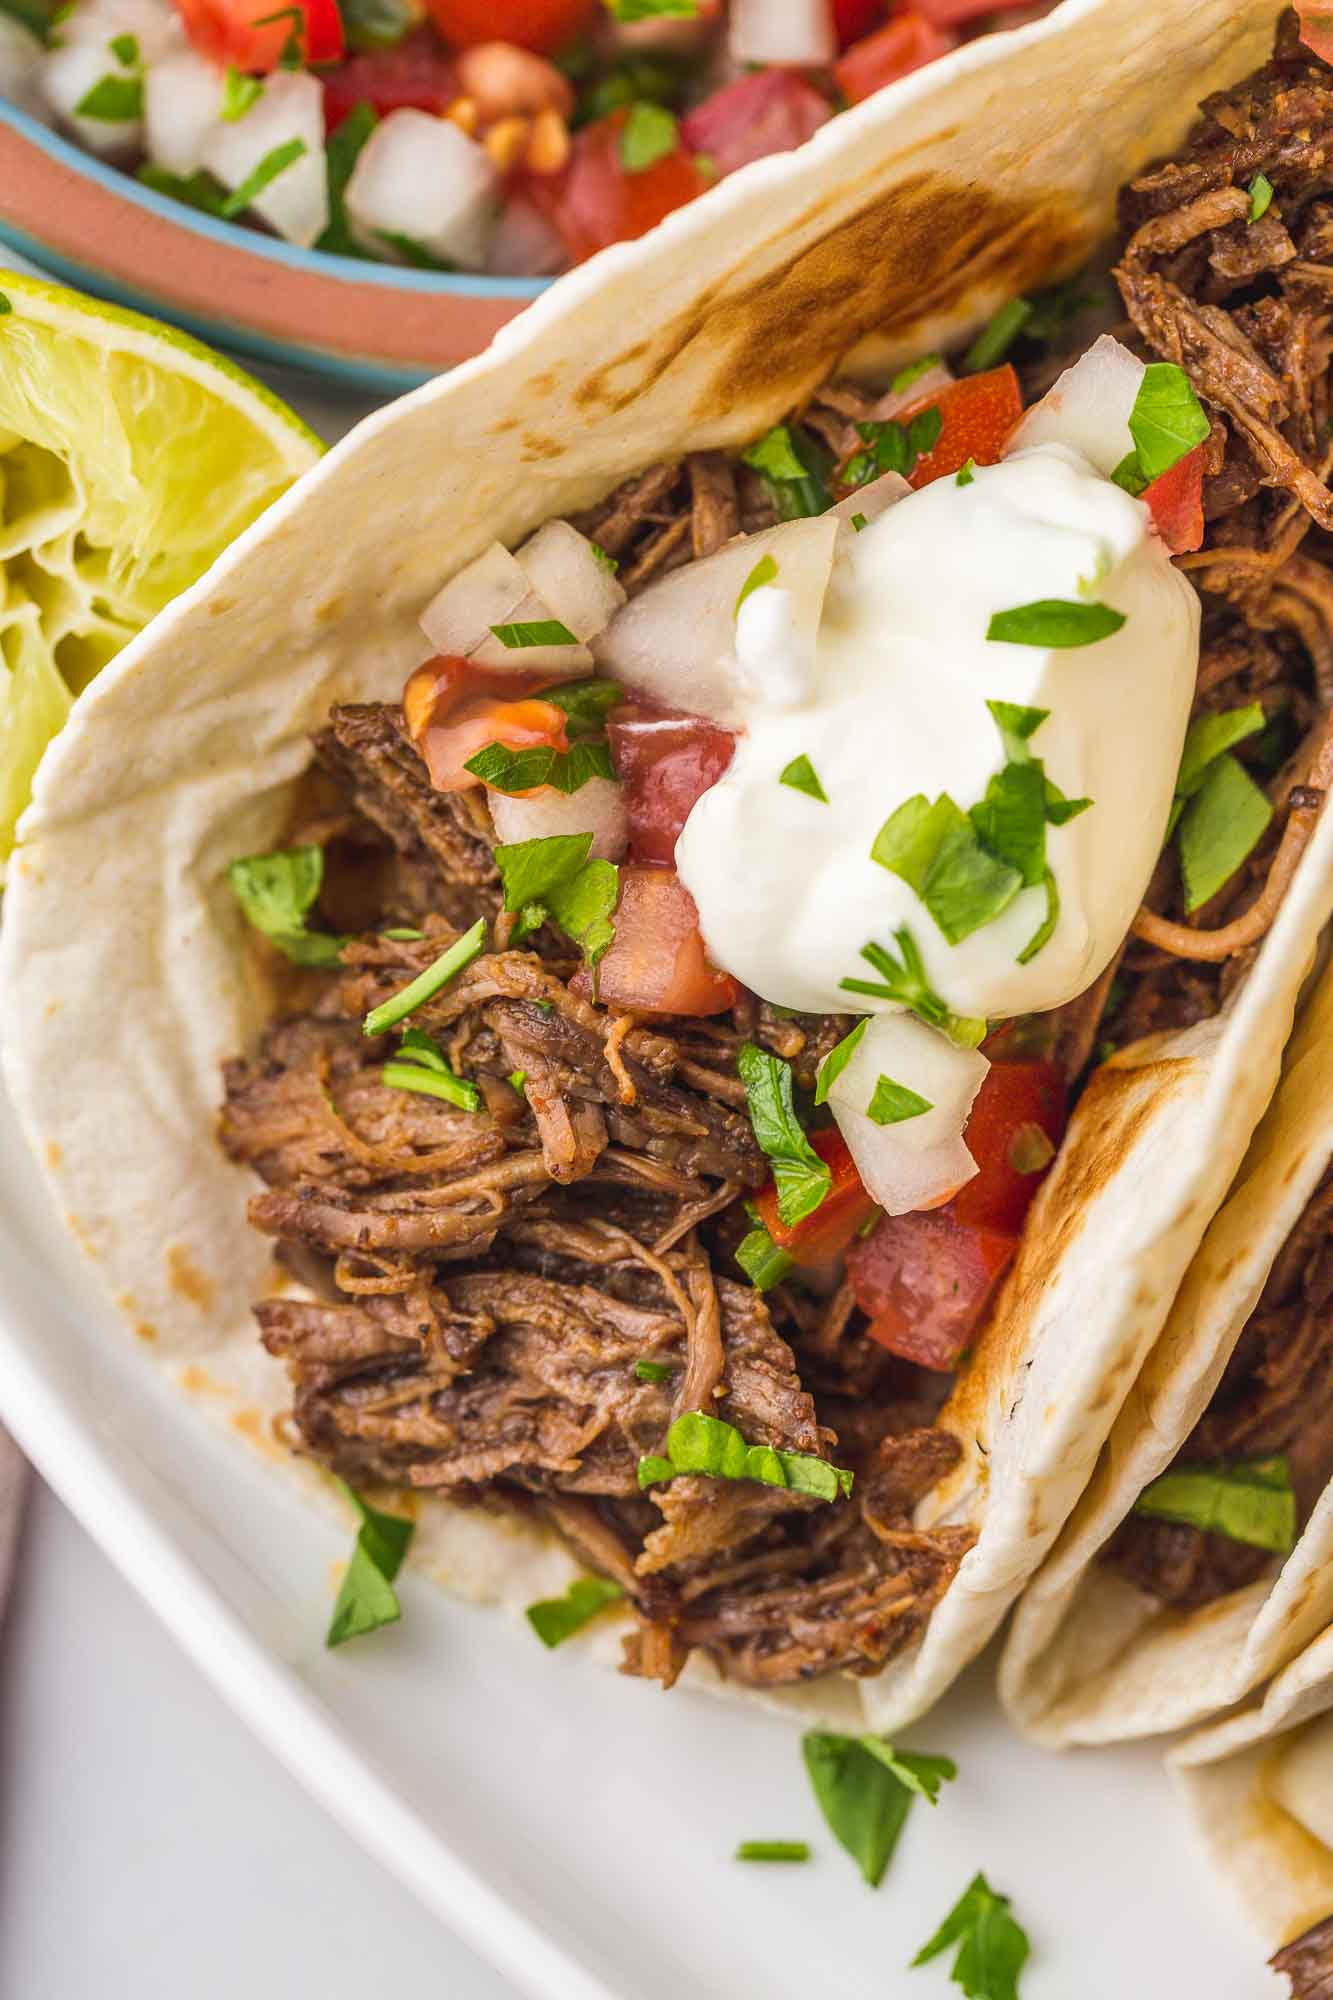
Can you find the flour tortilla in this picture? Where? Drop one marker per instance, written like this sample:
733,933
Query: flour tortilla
1259,1791
125,978
1090,1657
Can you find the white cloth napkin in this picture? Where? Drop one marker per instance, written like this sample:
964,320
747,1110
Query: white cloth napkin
13,1474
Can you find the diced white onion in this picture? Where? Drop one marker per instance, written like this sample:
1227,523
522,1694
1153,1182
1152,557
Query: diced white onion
923,1161
873,500
1088,407
421,177
676,641
496,590
182,111
937,378
21,58
782,31
68,75
296,201
597,808
562,569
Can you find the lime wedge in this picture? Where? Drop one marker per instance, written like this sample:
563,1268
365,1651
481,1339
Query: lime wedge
130,455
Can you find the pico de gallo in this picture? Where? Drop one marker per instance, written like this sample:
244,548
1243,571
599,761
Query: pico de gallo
516,137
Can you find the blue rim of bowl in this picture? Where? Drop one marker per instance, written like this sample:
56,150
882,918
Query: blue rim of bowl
268,249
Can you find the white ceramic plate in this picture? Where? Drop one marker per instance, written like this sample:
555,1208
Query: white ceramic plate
574,1827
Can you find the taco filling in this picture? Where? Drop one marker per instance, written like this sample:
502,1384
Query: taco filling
693,972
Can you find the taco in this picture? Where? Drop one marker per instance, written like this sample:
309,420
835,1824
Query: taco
650,1009
1259,1791
1198,1561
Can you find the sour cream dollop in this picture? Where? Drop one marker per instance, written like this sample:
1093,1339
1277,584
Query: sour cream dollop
787,892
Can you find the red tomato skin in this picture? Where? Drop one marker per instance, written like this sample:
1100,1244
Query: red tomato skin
540,25
665,761
854,19
594,201
656,963
979,415
953,13
820,1237
1316,28
1175,501
417,75
905,43
1013,1094
230,31
767,111
925,1280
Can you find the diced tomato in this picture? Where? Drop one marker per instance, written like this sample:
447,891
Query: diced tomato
1316,28
543,25
595,200
905,43
1175,501
853,19
665,761
820,1237
238,32
657,963
925,1280
767,111
1020,1106
416,75
953,13
979,414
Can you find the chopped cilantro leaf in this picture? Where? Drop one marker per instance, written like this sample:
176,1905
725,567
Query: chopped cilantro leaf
427,984
1248,1501
113,100
865,1789
936,850
367,1598
837,1059
274,162
506,770
705,1445
239,93
893,1103
650,133
998,336
1219,828
1167,419
762,1261
803,1180
904,980
276,892
763,572
555,1619
538,632
773,1850
800,776
992,1947
913,372
1056,622
1261,196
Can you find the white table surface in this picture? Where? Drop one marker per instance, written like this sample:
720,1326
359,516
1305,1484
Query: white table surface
150,1848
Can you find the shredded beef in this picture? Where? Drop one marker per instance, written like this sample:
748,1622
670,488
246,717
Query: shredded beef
1275,1399
1308,1963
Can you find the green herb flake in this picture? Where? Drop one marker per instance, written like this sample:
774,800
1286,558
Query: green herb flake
516,1080
774,455
1248,1501
654,1371
428,983
1056,622
650,133
762,1261
1219,828
837,1059
1261,195
936,849
795,468
893,1103
773,1850
859,522
585,704
539,632
1128,475
1045,931
553,877
276,161
1167,419
430,1082
800,776
240,93
276,893
763,572
199,191
367,1598
530,869
377,24
125,48
802,1178
913,372
998,336
865,1789
555,1619
652,10
894,447
713,1449
602,559
5,306
1208,736
293,49
403,935
992,1947
904,980
113,100
568,771
966,473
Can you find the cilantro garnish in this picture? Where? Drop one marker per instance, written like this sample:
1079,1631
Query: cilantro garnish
555,1619
428,983
893,1103
199,190
837,1059
800,775
1207,737
859,522
992,1947
913,372
113,100
966,473
654,1371
865,1788
1166,423
276,161
420,1065
554,878
893,447
367,1598
1261,195
1056,622
377,24
1219,828
125,48
1250,1501
998,336
538,632
1041,318
762,1261
650,134
763,572
239,93
342,153
803,1180
585,704
935,848
5,305
705,1445
652,10
276,892
795,468
506,770
293,49
904,980
773,1850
